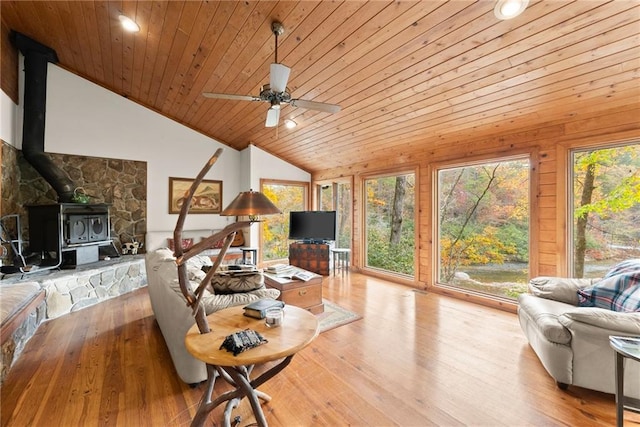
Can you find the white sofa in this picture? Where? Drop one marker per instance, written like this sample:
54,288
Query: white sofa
572,342
171,311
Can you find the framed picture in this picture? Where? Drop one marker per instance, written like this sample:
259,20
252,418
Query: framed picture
206,200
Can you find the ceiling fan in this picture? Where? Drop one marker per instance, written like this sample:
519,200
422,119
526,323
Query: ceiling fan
276,92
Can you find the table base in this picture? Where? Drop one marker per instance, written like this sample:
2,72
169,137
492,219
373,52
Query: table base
238,376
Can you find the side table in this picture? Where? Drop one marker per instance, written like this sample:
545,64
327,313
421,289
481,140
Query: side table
307,295
625,348
340,259
298,329
253,252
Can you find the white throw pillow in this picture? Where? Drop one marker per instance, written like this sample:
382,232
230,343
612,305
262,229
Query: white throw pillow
559,288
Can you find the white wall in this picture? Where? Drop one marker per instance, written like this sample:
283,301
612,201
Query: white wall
85,119
263,165
8,118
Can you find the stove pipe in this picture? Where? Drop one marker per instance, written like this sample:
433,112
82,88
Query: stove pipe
36,58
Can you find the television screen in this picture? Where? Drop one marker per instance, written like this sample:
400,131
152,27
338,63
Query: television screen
313,226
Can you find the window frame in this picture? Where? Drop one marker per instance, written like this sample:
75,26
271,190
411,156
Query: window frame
568,267
306,198
334,183
397,277
532,156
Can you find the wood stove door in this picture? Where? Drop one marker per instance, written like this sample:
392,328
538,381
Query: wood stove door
98,228
77,230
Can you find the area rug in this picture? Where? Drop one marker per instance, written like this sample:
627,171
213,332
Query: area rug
334,316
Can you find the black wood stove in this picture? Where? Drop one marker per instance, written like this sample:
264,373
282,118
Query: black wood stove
69,233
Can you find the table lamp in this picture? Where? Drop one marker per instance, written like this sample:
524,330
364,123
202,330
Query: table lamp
248,203
252,204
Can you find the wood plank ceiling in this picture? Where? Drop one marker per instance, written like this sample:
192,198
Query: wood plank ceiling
406,74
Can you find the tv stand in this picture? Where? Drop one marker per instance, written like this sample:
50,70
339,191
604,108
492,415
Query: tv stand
310,256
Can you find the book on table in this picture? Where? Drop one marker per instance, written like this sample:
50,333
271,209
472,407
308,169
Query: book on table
286,271
278,268
258,309
303,275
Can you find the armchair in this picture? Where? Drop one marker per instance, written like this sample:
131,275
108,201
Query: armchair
572,342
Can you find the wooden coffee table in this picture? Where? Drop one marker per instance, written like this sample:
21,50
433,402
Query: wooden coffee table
298,329
307,295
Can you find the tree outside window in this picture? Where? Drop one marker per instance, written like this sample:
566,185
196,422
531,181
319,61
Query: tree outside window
606,208
287,196
336,196
390,223
483,227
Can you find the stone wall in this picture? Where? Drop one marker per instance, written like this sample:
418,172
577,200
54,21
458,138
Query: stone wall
12,347
10,181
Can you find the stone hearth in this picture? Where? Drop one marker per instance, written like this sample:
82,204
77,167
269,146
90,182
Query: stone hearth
71,290
67,291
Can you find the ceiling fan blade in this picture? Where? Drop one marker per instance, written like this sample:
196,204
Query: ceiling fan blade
313,105
273,117
230,96
278,77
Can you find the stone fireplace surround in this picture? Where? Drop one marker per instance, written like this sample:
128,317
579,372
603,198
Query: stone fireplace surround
120,183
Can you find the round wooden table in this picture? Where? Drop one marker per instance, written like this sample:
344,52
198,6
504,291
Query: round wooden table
298,329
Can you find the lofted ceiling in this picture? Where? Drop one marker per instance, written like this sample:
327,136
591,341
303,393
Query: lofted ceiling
408,75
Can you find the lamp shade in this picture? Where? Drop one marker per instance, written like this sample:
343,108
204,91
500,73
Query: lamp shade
250,203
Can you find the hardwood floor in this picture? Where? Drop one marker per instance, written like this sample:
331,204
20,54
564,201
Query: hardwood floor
415,359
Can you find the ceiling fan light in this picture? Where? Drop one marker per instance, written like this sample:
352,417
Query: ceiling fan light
507,9
279,75
290,124
273,116
276,105
129,24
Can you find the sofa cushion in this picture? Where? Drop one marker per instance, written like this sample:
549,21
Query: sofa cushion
628,323
559,288
213,303
238,239
228,284
186,243
619,290
544,313
216,245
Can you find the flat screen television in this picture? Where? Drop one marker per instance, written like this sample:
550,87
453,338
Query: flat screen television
312,226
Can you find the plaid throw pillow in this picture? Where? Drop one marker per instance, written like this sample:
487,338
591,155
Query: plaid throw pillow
619,290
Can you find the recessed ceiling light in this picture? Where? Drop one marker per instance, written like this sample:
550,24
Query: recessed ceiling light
507,9
290,124
129,24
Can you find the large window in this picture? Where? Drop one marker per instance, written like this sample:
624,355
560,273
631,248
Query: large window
390,223
483,227
287,196
336,196
605,208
